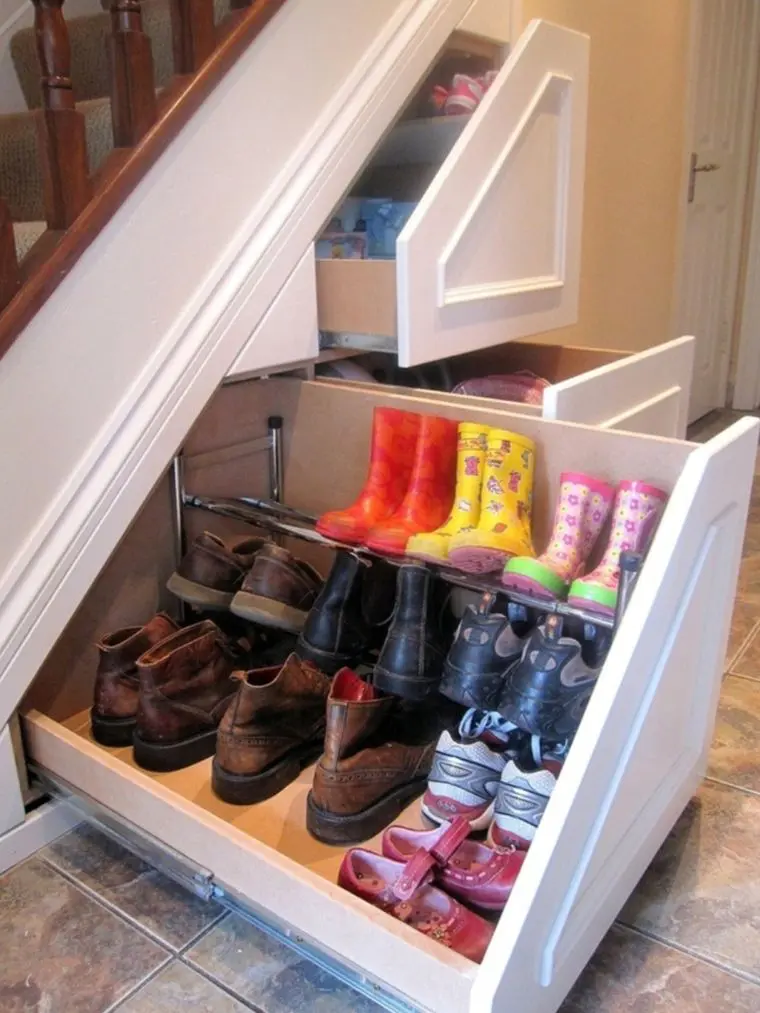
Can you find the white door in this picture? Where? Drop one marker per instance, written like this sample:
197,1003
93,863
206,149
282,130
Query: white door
723,69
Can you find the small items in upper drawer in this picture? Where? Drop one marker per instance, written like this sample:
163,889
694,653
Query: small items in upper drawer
365,227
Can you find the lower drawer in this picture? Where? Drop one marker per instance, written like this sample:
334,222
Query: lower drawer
635,762
643,392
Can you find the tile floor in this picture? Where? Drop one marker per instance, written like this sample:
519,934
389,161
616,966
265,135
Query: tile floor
85,927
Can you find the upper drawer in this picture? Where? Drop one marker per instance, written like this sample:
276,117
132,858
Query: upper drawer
492,250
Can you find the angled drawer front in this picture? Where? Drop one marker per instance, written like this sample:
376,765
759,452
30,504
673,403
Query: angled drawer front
288,332
492,251
642,392
636,759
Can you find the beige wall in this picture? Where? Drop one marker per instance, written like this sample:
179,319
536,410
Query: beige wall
634,166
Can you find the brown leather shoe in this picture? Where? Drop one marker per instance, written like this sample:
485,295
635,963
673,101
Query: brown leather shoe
117,686
185,688
278,591
211,572
274,728
376,760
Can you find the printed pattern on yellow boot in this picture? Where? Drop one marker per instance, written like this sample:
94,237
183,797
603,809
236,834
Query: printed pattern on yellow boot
506,500
465,512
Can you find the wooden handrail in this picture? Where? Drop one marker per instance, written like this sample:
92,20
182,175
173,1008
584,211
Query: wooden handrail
56,252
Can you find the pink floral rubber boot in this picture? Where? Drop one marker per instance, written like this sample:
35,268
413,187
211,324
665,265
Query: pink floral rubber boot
638,508
582,508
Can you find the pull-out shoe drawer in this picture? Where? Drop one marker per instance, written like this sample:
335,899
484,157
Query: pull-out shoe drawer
492,250
642,392
635,762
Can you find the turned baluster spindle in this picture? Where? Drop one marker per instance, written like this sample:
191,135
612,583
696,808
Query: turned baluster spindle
61,127
9,272
193,34
133,94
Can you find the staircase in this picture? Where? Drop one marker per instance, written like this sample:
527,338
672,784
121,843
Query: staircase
21,176
105,94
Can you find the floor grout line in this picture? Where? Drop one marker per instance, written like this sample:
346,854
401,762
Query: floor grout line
689,952
202,933
170,959
741,675
220,984
751,792
741,648
119,912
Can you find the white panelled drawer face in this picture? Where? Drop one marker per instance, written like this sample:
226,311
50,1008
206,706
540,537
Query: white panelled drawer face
492,251
641,392
624,781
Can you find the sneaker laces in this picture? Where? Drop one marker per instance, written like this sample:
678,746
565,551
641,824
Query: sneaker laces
552,750
475,723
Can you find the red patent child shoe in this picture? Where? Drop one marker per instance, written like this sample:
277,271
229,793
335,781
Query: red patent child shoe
403,890
473,872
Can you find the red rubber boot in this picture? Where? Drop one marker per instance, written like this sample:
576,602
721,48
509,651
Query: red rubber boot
430,494
391,456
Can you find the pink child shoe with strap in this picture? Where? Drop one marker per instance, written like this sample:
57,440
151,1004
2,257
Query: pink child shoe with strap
473,872
404,891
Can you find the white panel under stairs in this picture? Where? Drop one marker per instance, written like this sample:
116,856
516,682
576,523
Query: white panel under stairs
642,747
109,376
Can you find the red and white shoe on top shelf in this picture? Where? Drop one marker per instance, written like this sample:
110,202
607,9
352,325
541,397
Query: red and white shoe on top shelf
466,93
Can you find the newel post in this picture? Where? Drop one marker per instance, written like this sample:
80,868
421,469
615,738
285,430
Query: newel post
65,170
133,94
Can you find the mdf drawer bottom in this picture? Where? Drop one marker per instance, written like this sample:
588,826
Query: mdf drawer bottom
262,855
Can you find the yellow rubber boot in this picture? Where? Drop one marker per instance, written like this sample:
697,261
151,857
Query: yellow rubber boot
504,528
465,513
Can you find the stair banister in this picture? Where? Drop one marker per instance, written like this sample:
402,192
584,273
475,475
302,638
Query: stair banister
133,90
193,34
63,148
10,277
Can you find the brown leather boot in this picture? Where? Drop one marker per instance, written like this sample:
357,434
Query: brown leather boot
116,682
376,760
211,572
278,591
185,688
274,728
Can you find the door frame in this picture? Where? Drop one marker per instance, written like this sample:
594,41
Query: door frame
732,370
745,392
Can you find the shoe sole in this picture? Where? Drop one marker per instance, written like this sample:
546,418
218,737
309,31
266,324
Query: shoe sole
268,612
112,731
479,691
405,686
325,661
248,789
358,827
163,757
478,560
477,825
199,595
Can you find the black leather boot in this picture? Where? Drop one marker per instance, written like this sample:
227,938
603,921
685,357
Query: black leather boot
351,613
411,659
490,639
